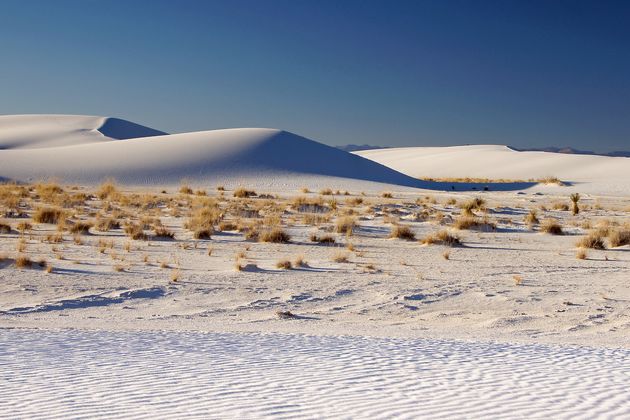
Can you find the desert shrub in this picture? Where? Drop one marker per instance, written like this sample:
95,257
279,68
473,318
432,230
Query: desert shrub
300,261
227,226
560,206
24,261
185,189
326,191
354,201
532,218
474,204
341,257
442,237
284,264
594,240
47,192
550,180
80,228
204,218
619,237
387,195
402,232
106,190
106,224
325,239
244,193
5,228
345,225
552,227
163,233
581,254
202,233
275,235
135,232
474,223
48,215
575,198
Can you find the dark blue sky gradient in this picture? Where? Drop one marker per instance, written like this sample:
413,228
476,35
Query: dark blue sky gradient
523,73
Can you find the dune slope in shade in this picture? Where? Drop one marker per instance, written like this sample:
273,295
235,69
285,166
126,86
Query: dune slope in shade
221,375
246,155
41,131
601,174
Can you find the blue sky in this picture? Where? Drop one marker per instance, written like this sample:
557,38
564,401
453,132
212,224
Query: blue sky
523,73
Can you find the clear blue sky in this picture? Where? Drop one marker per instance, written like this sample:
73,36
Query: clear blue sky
523,73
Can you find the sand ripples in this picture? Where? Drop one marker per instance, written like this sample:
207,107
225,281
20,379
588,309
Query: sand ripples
62,374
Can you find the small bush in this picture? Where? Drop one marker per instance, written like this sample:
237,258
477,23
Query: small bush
552,227
402,232
244,193
136,232
80,228
473,223
325,239
345,225
284,264
276,235
341,257
106,224
326,191
619,237
442,237
163,233
202,234
593,240
50,215
532,218
5,228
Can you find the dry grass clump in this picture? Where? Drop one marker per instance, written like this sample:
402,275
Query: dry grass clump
5,228
275,235
341,257
474,223
560,206
50,215
106,190
594,240
163,233
354,201
442,237
204,218
387,195
47,192
532,218
326,191
185,189
106,224
518,280
402,232
474,204
244,193
300,261
136,232
581,254
226,226
24,227
24,261
552,227
619,237
324,239
550,180
284,264
80,228
345,225
446,255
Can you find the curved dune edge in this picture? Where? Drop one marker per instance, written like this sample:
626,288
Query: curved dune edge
588,173
79,153
43,131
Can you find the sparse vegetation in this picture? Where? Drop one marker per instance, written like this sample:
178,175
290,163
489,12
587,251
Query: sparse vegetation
50,215
402,232
552,227
442,237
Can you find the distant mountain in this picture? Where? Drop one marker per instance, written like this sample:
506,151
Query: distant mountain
355,147
572,151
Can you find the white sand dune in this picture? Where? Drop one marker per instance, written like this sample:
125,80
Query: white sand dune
252,156
595,174
37,131
83,374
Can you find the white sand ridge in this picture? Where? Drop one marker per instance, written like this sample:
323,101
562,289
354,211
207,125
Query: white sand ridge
80,150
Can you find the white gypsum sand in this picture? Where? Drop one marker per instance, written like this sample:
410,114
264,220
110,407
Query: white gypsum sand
99,374
128,277
587,173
